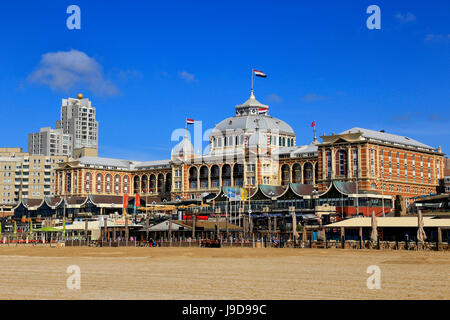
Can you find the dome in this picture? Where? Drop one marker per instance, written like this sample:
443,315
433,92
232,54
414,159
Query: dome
245,122
183,148
252,115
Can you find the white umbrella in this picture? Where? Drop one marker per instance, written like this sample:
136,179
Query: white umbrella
421,236
374,234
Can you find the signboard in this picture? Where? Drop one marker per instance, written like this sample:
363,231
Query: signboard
235,193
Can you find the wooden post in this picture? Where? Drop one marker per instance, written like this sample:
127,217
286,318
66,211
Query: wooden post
105,222
343,237
275,226
439,238
170,228
360,237
147,226
194,215
126,226
86,229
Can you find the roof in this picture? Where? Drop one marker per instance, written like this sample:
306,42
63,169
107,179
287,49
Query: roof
302,189
345,187
80,225
390,222
298,150
76,201
271,191
388,137
53,201
109,162
32,203
150,164
122,164
245,122
107,200
184,147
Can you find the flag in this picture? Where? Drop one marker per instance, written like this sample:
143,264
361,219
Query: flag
259,73
263,110
190,121
313,124
244,194
125,201
137,202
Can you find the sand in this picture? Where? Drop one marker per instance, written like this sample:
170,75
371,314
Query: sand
227,273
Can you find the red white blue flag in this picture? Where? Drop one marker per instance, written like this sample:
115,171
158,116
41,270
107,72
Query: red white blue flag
263,110
190,121
259,73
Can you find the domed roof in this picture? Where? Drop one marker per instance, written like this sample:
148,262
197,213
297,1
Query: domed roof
248,117
264,122
184,147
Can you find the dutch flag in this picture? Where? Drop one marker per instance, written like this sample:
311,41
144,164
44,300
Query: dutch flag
259,73
263,110
190,121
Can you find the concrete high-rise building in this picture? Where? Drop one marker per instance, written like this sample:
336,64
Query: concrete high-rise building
78,119
24,175
50,142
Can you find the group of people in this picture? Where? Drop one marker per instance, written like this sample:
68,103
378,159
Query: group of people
210,243
153,243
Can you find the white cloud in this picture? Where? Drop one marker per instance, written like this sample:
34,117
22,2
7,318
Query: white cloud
69,70
405,18
186,76
312,97
274,98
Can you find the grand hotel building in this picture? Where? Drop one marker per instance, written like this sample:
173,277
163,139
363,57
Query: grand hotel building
253,149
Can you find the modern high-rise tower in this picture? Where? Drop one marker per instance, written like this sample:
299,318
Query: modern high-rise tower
78,119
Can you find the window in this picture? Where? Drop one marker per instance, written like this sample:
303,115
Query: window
372,161
329,164
125,184
342,162
406,167
382,163
390,165
99,182
108,183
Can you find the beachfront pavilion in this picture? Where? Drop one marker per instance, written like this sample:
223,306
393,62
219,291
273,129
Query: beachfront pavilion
183,229
349,201
389,229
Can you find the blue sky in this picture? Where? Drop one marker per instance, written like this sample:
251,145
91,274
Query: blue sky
147,66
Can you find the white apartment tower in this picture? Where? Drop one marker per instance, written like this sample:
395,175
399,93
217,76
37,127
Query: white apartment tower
78,120
50,142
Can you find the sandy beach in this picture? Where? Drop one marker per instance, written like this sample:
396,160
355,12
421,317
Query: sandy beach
227,273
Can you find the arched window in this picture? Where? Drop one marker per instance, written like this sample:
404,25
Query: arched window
152,183
215,176
99,182
160,185
168,182
296,173
108,183
125,184
88,182
193,178
226,175
204,177
238,175
285,174
116,184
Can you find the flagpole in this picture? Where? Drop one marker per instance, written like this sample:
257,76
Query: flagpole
253,75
